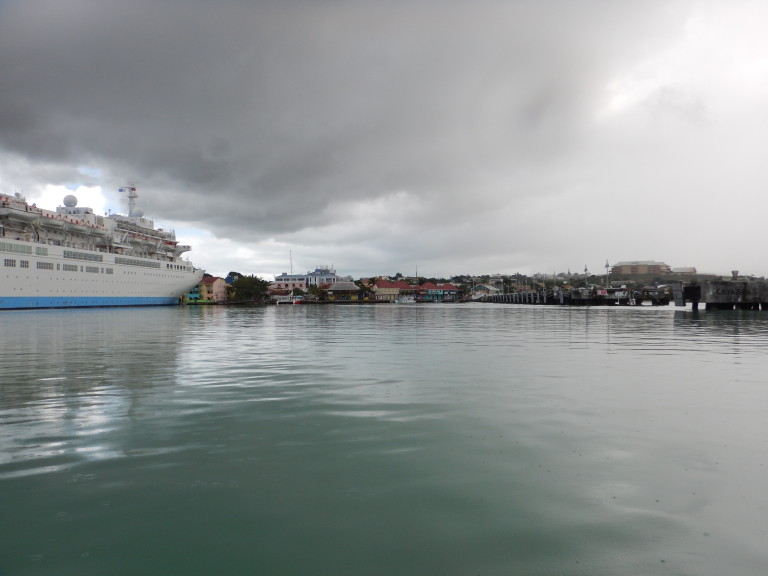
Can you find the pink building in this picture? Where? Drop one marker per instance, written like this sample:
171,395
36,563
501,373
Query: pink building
214,289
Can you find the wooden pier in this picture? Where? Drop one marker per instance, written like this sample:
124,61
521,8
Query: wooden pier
730,294
585,297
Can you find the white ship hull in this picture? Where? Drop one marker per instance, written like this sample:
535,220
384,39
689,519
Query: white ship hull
29,280
73,258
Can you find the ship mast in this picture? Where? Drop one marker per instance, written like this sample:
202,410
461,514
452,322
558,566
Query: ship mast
132,195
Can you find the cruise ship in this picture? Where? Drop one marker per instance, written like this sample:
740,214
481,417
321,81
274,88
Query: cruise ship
72,257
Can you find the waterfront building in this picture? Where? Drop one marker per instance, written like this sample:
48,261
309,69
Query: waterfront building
321,277
450,292
640,267
430,292
389,291
345,291
213,289
385,291
194,294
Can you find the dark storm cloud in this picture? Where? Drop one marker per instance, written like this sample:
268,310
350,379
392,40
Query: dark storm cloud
258,119
287,101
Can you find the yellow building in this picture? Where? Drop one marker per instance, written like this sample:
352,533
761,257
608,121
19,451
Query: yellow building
213,289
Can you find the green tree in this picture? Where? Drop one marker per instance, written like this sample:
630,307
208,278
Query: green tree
250,288
316,292
366,289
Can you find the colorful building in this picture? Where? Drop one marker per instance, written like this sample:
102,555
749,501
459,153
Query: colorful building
430,292
345,292
213,289
389,291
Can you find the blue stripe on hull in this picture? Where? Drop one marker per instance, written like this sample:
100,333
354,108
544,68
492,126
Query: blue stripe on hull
22,302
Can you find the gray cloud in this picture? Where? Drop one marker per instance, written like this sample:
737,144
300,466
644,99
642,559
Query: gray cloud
311,122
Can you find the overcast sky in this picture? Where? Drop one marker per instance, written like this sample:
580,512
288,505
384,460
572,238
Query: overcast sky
456,137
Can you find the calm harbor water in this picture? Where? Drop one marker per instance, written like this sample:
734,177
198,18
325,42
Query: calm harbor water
383,440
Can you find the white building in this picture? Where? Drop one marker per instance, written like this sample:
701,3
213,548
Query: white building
322,277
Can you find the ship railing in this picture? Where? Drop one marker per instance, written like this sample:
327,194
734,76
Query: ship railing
122,225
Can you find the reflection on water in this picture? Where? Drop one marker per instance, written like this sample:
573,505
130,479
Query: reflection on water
68,375
457,439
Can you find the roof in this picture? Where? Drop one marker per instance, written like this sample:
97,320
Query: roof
402,285
344,287
210,279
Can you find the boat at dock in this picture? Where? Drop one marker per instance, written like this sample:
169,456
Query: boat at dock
72,257
290,300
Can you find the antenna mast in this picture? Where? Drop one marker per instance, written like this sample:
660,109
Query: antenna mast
132,195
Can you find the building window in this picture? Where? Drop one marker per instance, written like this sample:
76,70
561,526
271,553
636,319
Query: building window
10,262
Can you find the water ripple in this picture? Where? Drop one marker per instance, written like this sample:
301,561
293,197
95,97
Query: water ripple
449,439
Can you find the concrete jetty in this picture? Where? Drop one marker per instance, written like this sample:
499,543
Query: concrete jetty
593,296
734,293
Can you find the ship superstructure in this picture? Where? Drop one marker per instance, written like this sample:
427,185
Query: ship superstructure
73,257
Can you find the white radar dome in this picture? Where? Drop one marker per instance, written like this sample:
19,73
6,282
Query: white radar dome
70,201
